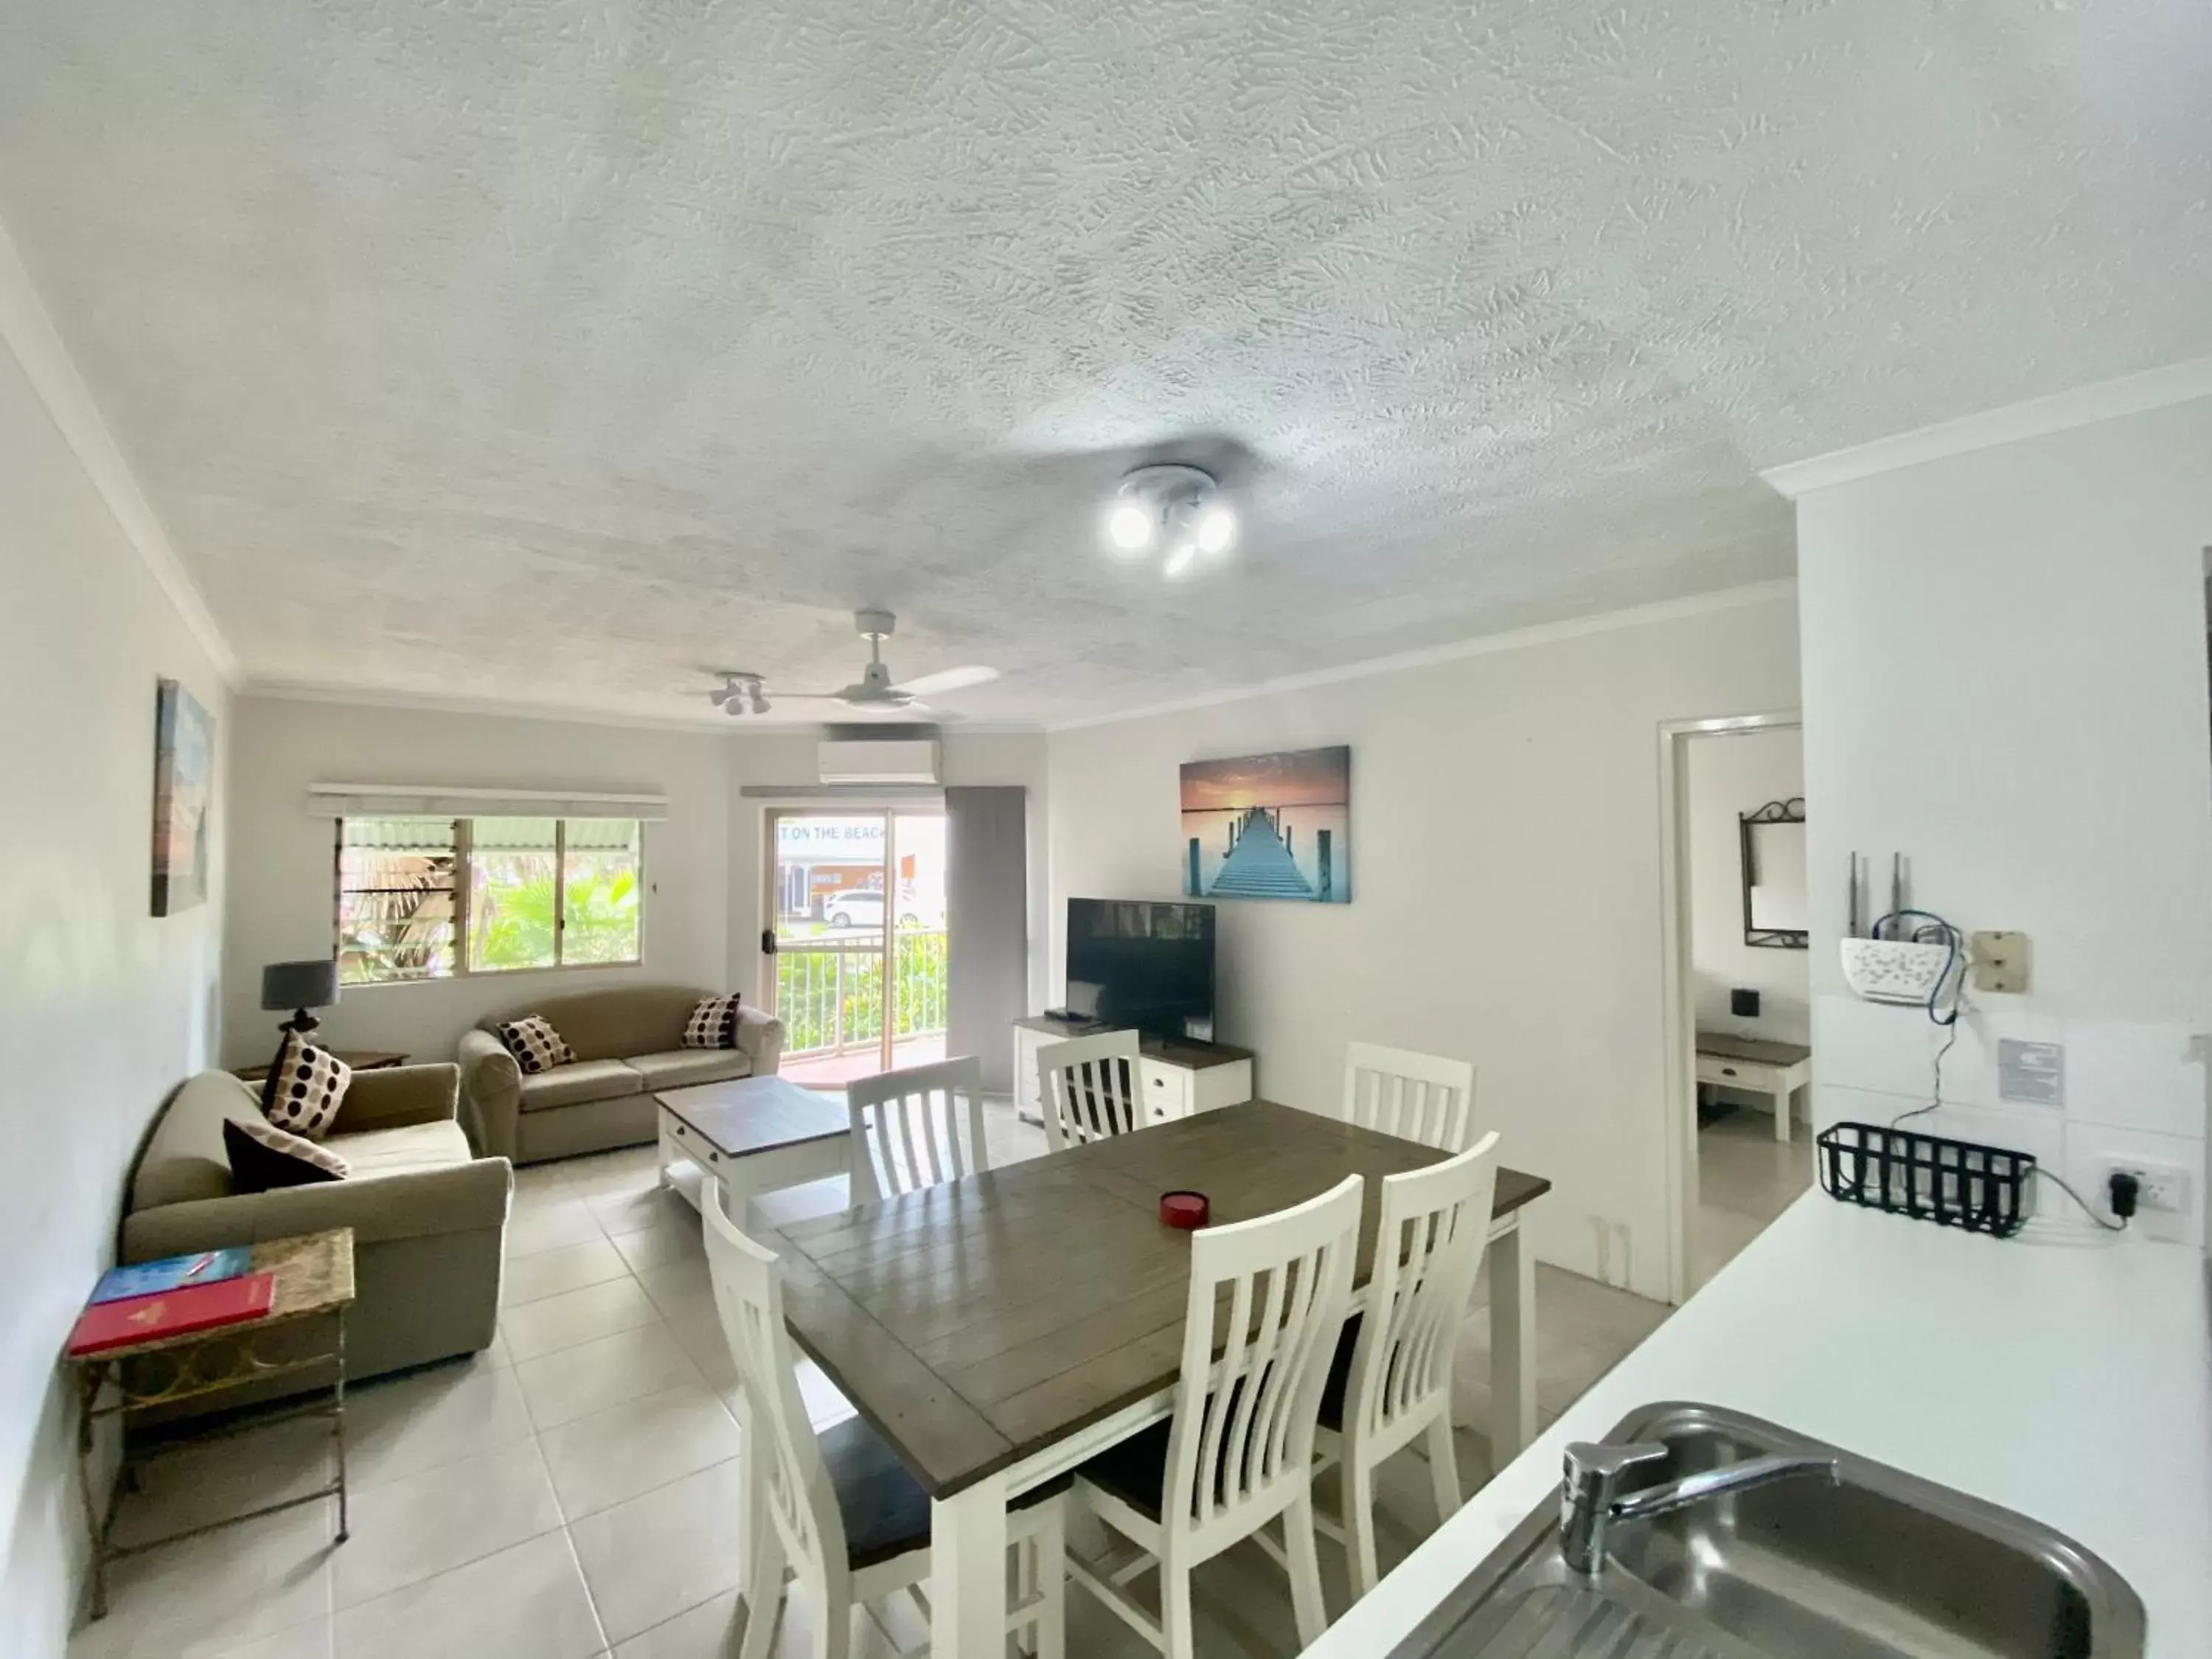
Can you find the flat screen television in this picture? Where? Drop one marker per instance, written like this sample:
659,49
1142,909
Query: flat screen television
1135,964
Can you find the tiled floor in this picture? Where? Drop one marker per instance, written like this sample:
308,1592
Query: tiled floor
1746,1178
572,1491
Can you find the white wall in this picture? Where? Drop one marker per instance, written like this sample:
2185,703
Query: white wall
104,1008
1730,773
2005,679
280,904
1505,881
702,917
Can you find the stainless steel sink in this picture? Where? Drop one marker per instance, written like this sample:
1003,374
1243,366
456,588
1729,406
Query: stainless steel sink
1881,1566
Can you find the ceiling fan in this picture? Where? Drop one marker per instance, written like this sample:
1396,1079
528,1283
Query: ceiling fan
741,692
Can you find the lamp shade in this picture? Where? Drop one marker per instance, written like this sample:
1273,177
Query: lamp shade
300,984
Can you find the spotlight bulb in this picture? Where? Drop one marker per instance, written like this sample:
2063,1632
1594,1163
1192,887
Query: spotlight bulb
1129,526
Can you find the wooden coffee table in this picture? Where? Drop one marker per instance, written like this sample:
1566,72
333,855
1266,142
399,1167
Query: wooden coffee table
753,1135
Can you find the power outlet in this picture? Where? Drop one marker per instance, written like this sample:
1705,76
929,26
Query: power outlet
2161,1198
1999,960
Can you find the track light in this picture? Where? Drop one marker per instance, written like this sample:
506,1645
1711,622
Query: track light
1172,509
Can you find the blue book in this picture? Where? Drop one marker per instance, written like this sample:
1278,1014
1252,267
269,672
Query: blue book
151,1278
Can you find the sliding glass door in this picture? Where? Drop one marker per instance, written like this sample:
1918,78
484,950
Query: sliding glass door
859,932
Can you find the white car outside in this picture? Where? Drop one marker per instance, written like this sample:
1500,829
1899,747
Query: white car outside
863,907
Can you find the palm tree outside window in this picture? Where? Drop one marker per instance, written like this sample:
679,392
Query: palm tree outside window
431,898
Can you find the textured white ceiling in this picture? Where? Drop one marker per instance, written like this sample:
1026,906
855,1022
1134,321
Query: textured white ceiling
548,350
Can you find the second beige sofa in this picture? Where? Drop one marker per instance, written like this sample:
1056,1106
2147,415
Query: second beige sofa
629,1044
428,1219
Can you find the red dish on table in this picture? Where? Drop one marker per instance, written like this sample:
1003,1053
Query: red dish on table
1187,1211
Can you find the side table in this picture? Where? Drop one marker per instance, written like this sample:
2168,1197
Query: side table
314,1280
361,1060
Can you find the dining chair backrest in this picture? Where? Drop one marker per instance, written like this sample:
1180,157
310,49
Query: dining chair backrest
1088,1088
1414,1097
794,1487
1428,1248
916,1128
1271,1295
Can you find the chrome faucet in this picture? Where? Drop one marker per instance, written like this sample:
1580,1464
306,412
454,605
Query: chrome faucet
1589,1507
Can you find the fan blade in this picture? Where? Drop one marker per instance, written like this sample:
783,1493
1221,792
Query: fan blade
950,679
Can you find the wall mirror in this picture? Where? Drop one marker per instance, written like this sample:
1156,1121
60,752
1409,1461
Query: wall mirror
1773,840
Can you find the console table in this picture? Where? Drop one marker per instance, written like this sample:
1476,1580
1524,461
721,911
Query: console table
1775,1069
1176,1077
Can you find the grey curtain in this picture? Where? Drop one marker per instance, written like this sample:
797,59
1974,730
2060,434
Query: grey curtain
987,892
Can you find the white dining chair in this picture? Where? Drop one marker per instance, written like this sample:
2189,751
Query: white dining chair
1414,1097
835,1508
1393,1380
1088,1088
1270,1295
914,1128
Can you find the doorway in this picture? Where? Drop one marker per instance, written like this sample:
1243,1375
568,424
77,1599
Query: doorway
1737,998
857,898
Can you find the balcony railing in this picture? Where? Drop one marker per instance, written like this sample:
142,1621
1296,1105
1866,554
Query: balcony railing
829,994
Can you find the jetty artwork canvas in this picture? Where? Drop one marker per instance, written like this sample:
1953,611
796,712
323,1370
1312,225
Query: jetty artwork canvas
1269,827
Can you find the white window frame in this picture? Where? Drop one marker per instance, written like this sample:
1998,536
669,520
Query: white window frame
464,893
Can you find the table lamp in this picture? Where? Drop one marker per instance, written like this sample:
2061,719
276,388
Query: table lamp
299,986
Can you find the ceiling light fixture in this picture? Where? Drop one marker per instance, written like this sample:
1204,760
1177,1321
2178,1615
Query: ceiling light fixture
1173,510
738,691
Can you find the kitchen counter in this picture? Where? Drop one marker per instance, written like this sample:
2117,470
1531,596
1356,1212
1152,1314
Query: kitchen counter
2065,1374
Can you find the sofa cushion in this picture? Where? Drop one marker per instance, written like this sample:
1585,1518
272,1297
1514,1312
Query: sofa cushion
618,1022
583,1079
536,1046
185,1159
682,1067
305,1087
403,1151
264,1156
714,1024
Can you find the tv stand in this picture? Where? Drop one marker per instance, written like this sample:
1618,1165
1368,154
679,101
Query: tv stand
1176,1076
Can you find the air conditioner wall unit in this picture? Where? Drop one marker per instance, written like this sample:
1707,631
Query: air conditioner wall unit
908,761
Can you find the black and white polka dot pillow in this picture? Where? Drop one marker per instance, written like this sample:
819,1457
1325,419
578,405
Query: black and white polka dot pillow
536,1046
306,1086
714,1024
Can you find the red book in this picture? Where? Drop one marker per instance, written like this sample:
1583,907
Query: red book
135,1319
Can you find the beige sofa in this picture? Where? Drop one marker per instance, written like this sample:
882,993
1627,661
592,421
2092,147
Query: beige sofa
428,1217
629,1045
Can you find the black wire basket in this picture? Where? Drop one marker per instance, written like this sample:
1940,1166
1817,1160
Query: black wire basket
1953,1183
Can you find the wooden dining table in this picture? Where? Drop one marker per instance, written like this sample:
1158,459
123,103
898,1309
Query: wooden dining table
999,1330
